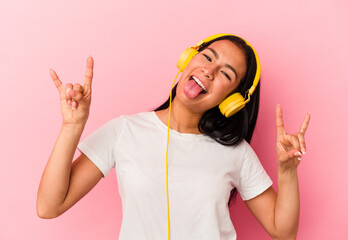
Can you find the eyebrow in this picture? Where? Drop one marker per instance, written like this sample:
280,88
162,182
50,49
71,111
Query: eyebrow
226,65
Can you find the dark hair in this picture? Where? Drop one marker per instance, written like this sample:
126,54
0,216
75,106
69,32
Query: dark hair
231,131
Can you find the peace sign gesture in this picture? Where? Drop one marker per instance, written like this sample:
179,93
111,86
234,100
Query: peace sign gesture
75,100
290,147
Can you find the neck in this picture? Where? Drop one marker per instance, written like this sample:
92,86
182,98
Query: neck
181,119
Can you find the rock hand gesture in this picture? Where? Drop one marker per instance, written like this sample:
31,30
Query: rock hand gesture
290,147
75,100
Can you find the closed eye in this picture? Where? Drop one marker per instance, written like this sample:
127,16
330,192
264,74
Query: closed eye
226,75
207,57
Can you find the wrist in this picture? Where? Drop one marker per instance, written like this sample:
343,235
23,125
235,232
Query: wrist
283,171
73,127
288,166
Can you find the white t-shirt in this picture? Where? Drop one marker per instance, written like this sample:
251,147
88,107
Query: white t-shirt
201,175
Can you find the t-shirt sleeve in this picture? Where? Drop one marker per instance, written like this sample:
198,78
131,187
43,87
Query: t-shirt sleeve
99,146
253,178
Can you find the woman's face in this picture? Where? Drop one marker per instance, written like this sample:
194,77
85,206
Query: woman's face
211,75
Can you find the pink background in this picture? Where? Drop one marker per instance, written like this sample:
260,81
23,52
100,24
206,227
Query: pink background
135,44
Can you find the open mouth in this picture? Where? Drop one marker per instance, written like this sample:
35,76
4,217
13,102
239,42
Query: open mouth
204,90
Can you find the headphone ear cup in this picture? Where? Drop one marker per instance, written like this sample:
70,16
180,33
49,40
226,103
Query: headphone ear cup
232,104
185,58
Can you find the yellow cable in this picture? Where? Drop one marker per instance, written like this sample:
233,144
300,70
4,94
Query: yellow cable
170,105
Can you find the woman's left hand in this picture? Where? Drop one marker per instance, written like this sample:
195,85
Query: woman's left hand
290,147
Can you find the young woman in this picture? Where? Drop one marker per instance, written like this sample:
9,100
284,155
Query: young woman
209,156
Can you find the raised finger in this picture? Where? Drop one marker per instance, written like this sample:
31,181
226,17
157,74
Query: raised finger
279,121
89,73
305,124
56,80
302,142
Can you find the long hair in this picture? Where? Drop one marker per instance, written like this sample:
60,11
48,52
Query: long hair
231,131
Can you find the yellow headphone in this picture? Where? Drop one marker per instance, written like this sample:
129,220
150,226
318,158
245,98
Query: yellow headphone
228,107
236,101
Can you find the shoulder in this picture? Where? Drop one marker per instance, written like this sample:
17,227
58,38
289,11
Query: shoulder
246,148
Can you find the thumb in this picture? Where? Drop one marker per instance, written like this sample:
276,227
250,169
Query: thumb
294,154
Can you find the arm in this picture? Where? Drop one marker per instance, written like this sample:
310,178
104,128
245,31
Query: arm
63,183
279,213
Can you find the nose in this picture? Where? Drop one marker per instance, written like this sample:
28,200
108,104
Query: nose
208,71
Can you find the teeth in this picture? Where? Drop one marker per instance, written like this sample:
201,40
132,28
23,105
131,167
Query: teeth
199,83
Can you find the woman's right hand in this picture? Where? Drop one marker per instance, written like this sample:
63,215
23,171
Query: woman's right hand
75,100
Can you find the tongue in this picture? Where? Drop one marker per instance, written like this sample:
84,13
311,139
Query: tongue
192,89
